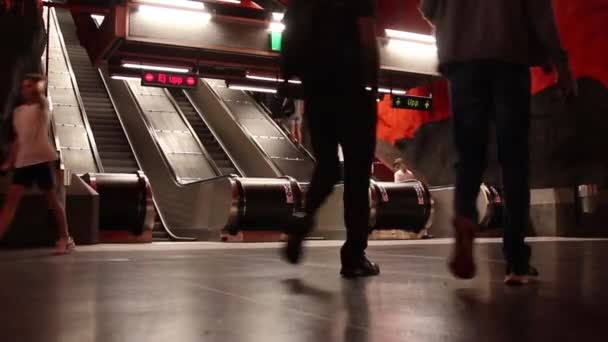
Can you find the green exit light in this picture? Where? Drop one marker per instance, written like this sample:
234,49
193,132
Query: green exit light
275,40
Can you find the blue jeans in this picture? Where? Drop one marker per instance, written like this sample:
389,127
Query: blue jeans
480,92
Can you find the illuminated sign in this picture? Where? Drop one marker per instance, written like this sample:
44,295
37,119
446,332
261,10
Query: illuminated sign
276,40
168,80
413,102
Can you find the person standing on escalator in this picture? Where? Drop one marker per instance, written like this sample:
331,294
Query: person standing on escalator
331,46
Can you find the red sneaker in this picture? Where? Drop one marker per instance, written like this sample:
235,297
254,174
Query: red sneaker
462,264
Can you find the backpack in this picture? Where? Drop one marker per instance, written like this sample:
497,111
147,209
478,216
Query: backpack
317,37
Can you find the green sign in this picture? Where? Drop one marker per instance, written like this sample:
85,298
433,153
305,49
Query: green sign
276,39
413,102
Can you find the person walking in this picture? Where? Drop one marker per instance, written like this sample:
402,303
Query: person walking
331,46
485,50
34,160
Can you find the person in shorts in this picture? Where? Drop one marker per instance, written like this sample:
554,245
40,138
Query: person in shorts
294,121
34,160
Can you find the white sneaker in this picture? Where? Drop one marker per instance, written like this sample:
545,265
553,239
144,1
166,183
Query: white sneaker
65,245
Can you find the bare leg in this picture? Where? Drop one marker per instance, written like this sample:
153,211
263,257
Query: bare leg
59,213
13,197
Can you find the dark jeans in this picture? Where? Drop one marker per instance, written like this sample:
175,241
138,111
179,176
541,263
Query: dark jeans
482,91
348,120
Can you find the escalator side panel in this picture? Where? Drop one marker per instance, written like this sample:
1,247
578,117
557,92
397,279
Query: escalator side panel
246,153
268,136
69,122
172,133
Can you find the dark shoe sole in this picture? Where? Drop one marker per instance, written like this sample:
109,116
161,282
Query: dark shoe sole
354,275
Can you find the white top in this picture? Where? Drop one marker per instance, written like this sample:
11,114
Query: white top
401,176
31,123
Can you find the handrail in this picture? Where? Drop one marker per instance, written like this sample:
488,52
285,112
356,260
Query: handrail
55,139
248,136
83,114
178,109
219,141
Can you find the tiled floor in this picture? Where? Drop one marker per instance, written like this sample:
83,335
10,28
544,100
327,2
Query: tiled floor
217,292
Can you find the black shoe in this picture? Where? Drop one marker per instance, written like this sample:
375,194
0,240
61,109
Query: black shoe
299,228
362,267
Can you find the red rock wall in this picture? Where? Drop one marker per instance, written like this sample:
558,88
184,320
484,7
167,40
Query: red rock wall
583,27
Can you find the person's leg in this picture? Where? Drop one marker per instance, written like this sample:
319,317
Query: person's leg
297,131
325,175
512,100
46,178
358,141
323,129
11,203
470,107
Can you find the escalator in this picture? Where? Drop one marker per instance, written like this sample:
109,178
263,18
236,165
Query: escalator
114,149
192,198
71,127
250,134
205,135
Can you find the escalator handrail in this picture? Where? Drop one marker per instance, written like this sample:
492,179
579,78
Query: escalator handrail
56,143
278,172
301,148
219,141
179,111
74,83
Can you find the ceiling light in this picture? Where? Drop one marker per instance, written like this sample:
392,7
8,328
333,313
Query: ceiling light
424,50
231,1
392,91
415,37
278,16
181,4
155,68
271,79
125,78
250,88
276,27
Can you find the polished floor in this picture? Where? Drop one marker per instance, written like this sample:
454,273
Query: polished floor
170,292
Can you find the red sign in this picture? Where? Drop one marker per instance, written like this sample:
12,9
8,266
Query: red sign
169,80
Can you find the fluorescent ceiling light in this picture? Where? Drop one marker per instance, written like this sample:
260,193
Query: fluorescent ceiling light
415,37
125,78
155,68
172,14
271,79
276,27
392,91
181,4
389,91
278,16
248,88
413,48
231,1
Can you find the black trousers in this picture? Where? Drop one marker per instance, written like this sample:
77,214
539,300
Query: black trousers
348,119
482,91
